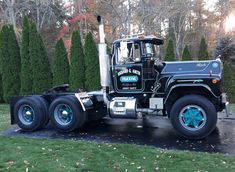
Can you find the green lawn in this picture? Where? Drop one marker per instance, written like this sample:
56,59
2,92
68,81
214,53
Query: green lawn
4,116
26,154
232,107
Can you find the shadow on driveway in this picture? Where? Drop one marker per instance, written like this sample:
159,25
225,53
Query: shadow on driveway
156,132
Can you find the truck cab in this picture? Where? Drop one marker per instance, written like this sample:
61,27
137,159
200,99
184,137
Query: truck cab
135,64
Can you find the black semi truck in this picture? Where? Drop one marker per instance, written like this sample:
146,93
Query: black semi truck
135,83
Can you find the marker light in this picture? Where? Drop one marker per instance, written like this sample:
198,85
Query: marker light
214,81
141,36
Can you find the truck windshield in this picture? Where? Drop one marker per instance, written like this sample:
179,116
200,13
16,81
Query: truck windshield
150,50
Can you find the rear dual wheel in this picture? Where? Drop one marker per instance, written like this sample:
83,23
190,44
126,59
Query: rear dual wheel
30,113
66,113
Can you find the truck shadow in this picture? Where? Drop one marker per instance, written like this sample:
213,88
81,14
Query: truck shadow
152,132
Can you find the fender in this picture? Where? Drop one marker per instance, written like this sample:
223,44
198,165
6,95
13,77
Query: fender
189,85
84,100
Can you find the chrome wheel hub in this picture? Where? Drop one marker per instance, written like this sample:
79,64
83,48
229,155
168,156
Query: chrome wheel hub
26,114
192,117
63,114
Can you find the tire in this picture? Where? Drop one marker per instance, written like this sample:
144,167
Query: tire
46,107
29,113
193,116
66,114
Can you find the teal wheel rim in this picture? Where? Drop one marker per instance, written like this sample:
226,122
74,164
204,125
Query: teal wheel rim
26,114
192,117
63,114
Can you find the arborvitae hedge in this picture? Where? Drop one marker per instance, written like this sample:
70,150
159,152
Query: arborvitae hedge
42,77
33,51
10,60
92,64
229,81
3,54
1,91
225,47
26,70
203,52
77,65
186,56
170,54
60,64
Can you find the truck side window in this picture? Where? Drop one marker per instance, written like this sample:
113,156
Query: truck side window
137,53
129,53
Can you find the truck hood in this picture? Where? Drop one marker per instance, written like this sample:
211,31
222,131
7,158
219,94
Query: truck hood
191,67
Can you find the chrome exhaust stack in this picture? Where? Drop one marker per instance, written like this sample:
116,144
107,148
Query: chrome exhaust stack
103,61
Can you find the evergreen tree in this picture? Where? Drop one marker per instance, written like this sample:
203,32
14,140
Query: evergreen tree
225,48
203,52
42,77
186,54
91,64
10,60
60,64
33,51
26,70
77,66
170,54
3,54
1,91
229,81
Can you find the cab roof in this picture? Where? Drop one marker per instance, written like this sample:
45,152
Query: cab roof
150,39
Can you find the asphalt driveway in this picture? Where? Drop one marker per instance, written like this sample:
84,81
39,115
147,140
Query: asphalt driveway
156,132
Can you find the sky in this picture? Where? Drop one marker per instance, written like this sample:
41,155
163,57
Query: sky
210,4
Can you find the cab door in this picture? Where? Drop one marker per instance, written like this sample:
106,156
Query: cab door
128,69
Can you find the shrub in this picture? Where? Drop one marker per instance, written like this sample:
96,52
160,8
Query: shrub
91,64
203,52
26,69
77,66
60,64
186,54
170,54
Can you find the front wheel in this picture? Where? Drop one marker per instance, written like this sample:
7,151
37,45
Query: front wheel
193,116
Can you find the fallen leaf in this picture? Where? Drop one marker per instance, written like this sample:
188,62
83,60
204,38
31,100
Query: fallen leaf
9,164
26,162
